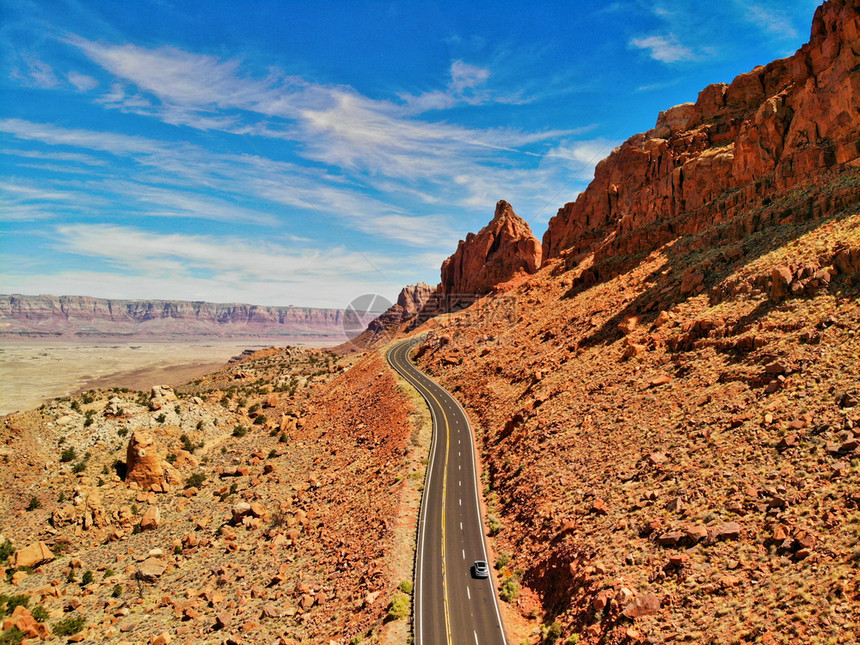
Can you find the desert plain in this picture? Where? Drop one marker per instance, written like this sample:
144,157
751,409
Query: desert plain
34,371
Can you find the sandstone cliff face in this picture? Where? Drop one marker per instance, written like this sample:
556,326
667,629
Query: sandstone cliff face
70,314
779,126
495,254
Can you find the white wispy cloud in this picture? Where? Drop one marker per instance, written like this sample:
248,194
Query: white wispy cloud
32,72
665,49
331,124
82,82
54,156
773,21
204,267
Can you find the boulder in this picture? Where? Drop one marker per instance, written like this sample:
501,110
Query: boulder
644,605
23,620
32,555
151,569
151,519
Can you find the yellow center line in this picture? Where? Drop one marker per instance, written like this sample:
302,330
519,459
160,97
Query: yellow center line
444,495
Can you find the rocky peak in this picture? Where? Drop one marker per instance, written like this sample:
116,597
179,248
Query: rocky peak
413,297
771,130
495,254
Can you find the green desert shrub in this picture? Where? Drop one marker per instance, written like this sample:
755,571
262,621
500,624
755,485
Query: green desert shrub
69,626
510,589
196,480
399,607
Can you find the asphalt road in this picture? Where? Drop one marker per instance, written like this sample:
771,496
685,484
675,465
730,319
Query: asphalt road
450,606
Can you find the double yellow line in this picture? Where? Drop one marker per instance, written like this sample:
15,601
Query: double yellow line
444,497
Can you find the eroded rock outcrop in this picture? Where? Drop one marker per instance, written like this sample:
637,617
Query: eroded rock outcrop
144,466
495,254
410,301
774,128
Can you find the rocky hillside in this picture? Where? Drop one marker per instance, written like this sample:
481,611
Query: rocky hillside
669,427
271,502
84,317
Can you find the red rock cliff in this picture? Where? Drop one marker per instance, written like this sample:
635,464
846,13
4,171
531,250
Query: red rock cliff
495,254
771,129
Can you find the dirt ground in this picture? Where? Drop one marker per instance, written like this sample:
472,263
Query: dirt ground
32,372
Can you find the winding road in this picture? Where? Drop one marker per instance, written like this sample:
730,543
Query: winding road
450,606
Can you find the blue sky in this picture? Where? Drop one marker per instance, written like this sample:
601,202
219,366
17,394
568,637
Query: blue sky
308,152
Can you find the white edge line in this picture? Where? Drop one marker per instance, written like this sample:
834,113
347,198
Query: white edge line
418,615
478,503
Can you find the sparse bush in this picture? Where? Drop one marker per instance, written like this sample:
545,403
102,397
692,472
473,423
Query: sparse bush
551,633
109,573
405,587
495,525
161,417
12,636
39,613
284,438
240,431
187,446
87,398
79,467
61,546
260,420
6,550
510,589
171,458
116,592
122,432
34,503
87,578
68,455
69,626
399,607
196,480
502,560
8,603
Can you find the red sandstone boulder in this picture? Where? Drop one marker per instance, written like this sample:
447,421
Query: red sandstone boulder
32,555
645,605
22,619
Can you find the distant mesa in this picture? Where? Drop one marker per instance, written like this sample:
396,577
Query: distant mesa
45,316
